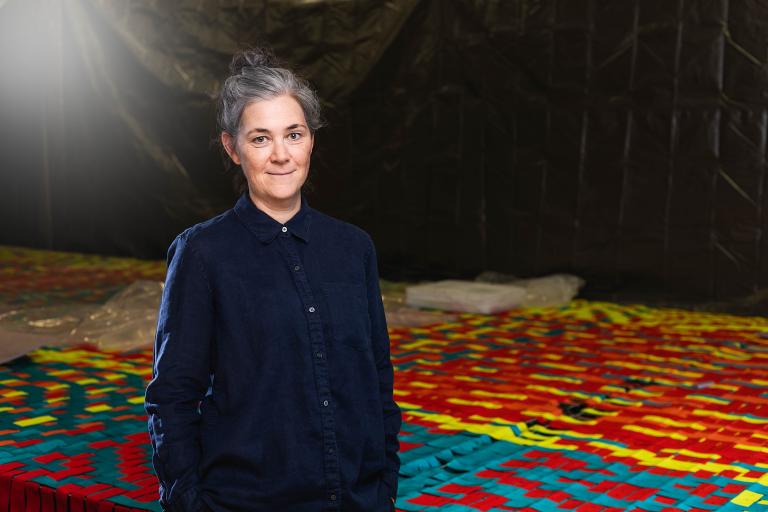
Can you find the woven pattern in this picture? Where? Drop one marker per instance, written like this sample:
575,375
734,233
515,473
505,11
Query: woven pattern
30,277
73,420
591,407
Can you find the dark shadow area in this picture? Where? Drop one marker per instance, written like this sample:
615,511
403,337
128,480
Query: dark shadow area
622,141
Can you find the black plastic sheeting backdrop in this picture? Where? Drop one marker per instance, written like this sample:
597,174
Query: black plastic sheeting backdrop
622,140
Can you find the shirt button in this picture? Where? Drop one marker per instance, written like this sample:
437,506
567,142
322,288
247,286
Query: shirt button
319,355
330,450
333,497
297,268
311,309
285,229
325,403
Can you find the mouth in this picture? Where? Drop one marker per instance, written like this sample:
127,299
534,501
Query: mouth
281,173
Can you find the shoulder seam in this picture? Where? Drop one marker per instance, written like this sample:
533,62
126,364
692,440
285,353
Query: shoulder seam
188,242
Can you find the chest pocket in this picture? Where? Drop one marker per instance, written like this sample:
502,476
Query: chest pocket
348,308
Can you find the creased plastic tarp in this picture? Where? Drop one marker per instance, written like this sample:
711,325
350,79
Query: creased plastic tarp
115,99
620,140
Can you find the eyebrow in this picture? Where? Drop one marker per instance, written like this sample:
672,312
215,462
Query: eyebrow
264,130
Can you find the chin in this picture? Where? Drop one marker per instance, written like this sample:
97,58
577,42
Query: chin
284,195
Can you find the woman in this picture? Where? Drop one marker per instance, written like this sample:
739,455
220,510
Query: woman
272,380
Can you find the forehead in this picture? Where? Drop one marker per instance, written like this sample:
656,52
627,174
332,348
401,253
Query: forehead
273,114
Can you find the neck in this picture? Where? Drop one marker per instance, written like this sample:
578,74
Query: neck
281,211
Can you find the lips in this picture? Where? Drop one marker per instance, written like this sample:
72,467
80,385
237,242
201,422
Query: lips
281,173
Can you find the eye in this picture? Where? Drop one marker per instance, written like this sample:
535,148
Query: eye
294,136
259,139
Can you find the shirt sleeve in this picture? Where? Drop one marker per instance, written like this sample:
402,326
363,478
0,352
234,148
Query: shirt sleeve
180,377
380,340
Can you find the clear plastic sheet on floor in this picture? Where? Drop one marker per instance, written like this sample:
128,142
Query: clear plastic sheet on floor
125,322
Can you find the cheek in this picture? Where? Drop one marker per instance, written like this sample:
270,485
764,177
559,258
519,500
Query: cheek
305,155
254,159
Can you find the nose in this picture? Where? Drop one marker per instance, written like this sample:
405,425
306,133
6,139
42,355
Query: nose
279,152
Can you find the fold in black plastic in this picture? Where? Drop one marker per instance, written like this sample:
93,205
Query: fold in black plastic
621,140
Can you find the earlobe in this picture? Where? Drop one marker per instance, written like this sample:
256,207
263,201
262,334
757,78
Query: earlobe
229,146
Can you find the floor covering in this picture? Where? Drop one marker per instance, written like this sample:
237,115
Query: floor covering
589,407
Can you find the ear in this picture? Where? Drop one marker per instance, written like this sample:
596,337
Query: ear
228,141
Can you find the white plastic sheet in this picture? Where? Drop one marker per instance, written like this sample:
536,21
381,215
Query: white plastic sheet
549,291
554,291
466,296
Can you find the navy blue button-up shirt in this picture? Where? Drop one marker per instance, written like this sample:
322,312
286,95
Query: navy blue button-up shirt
272,381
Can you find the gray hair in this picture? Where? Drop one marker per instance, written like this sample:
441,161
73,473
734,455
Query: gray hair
256,75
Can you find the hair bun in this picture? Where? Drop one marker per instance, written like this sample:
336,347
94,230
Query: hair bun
251,58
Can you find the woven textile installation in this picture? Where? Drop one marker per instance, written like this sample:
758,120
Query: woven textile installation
590,407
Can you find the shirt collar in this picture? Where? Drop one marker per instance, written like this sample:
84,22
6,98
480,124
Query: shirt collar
265,228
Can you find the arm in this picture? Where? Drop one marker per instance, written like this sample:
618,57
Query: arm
380,341
180,377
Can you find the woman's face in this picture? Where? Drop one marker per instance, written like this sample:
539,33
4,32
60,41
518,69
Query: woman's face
273,148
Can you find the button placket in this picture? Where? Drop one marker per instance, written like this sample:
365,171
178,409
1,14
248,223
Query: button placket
322,377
